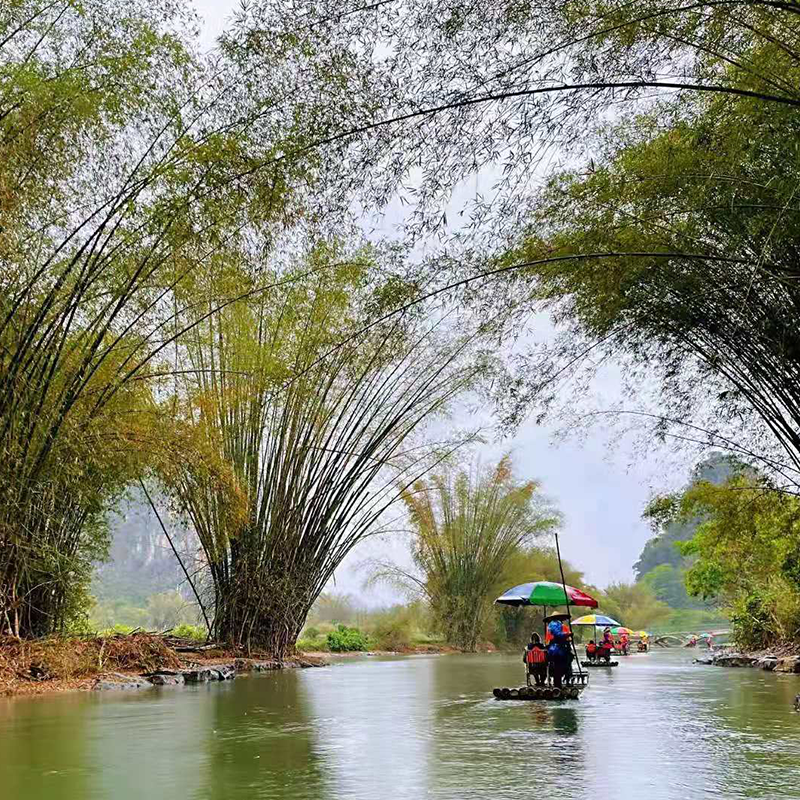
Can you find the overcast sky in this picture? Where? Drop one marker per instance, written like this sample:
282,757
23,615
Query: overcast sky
600,490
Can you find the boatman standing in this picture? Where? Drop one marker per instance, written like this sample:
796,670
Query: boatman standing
558,654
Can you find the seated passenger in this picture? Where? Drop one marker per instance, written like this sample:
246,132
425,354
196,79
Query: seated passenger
536,660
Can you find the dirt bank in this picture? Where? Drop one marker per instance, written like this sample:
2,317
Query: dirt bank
133,661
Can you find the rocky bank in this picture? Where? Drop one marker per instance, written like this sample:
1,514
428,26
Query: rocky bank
786,660
196,673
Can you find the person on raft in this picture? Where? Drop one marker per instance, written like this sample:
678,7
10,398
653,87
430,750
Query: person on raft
559,657
591,650
623,643
606,645
535,658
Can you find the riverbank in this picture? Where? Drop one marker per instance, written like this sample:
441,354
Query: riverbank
784,658
142,660
131,661
411,650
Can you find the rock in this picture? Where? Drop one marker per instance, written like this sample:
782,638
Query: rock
39,672
201,675
267,666
797,702
767,662
130,683
704,660
222,672
788,664
308,663
167,679
734,660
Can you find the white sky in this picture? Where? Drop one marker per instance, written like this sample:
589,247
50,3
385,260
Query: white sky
600,491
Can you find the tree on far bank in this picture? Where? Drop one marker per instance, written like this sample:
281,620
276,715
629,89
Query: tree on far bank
634,605
661,564
746,555
468,526
667,584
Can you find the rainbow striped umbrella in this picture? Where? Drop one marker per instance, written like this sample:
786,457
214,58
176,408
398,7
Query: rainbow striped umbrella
621,629
598,620
545,593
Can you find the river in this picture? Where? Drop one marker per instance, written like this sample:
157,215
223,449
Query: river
424,726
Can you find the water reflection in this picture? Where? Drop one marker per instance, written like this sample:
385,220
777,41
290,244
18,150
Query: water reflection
102,746
135,741
565,721
373,726
37,760
754,710
264,742
486,748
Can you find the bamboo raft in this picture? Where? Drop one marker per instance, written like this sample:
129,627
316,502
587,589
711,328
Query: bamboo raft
599,663
540,693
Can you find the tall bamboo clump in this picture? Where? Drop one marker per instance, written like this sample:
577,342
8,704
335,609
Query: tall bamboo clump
71,266
315,425
467,527
127,165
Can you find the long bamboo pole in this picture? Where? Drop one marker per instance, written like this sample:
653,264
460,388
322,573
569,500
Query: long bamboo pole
569,613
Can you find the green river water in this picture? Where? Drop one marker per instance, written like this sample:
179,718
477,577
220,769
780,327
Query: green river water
426,726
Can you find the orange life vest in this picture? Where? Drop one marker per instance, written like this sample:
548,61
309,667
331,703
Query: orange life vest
535,656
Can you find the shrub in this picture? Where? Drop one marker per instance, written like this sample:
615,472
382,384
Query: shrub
311,633
751,621
196,633
347,640
125,630
392,631
62,658
317,645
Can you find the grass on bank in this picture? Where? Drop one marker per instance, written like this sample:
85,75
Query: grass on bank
386,631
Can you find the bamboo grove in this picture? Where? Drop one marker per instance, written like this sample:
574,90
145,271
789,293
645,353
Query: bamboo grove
187,297
145,192
318,434
185,301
